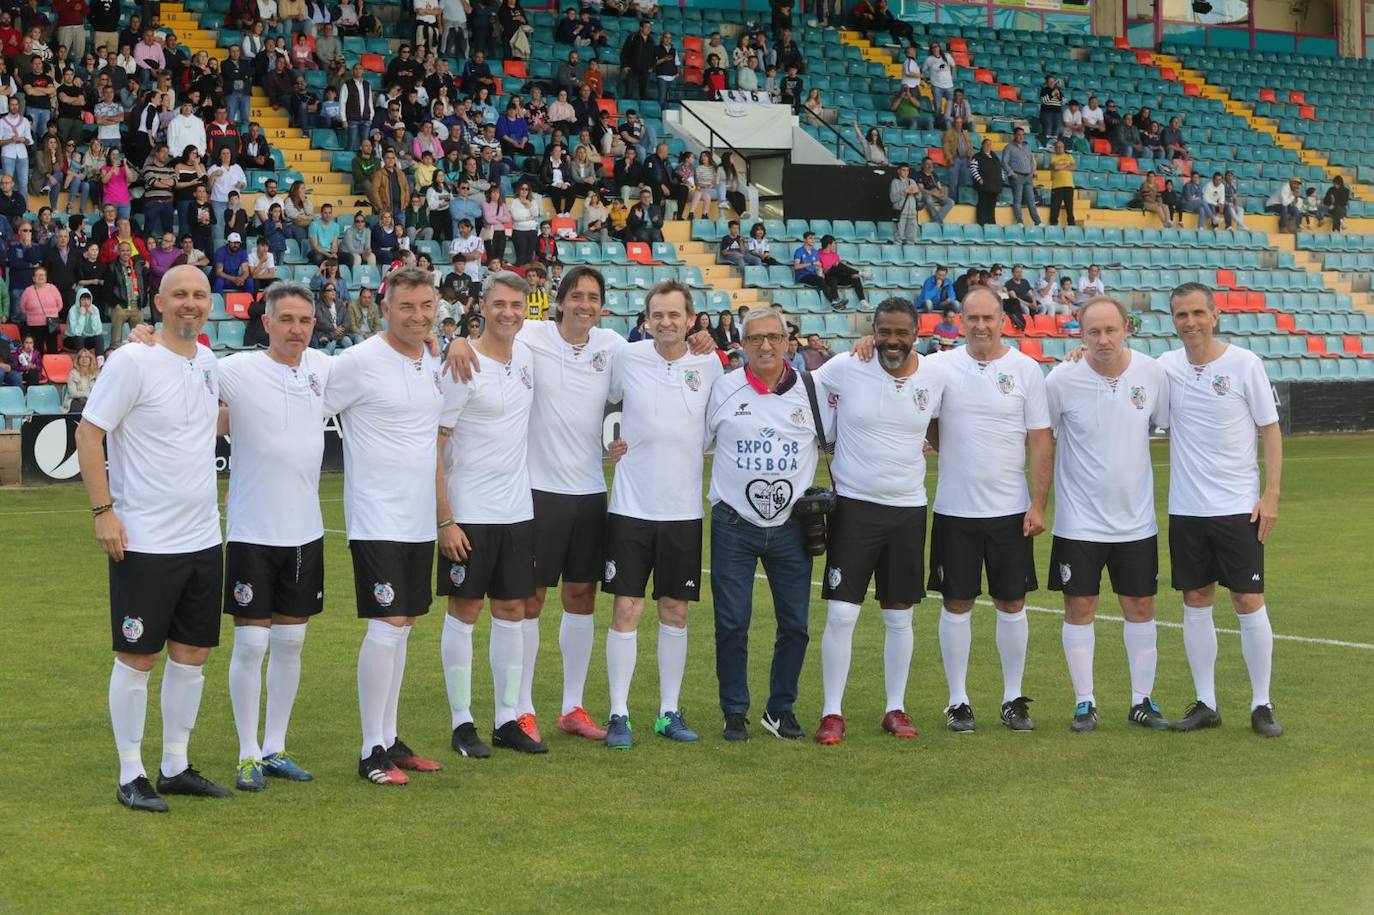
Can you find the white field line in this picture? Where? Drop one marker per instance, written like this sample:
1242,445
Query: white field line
1338,643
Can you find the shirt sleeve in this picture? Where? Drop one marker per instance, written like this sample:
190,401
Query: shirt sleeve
1037,406
1160,414
616,392
343,392
115,393
456,394
1052,407
1259,394
229,378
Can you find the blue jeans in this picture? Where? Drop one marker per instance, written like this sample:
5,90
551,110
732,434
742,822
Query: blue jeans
18,169
356,131
957,177
157,218
940,101
937,209
40,118
183,208
1050,123
737,546
1023,192
240,108
741,260
217,230
78,195
1204,210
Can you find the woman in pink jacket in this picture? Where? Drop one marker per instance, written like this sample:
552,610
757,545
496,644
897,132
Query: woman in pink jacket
40,303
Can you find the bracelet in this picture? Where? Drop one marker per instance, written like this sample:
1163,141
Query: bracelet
446,523
98,510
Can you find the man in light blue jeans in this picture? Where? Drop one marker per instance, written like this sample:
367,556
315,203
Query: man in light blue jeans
1018,159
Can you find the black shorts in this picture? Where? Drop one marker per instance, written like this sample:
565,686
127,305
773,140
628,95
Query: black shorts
569,534
500,564
1225,549
161,597
391,578
1076,567
669,549
961,547
869,540
262,580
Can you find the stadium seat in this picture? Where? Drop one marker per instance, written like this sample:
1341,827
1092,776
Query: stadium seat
230,335
43,398
58,366
237,304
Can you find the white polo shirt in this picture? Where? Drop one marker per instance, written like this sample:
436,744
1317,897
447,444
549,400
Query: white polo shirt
569,408
160,412
276,432
388,406
485,457
1214,410
470,245
663,421
880,427
985,413
1103,482
765,446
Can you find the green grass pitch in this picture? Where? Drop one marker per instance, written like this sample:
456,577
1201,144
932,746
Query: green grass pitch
1119,821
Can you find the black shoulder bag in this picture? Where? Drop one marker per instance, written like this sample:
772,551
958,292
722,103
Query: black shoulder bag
815,505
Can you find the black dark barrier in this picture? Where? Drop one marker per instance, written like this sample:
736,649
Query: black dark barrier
837,192
48,447
1327,406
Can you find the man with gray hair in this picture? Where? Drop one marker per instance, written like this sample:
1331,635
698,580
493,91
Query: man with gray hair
274,557
761,423
388,397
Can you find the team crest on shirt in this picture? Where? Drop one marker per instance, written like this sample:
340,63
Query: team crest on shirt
610,569
457,573
599,361
383,593
1138,396
132,628
1221,384
921,397
1005,383
314,381
832,577
692,378
797,417
1065,573
243,593
209,381
438,388
525,378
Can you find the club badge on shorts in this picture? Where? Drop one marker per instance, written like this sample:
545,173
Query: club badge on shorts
1065,573
610,569
832,577
457,573
383,593
132,628
243,593
1221,384
1138,396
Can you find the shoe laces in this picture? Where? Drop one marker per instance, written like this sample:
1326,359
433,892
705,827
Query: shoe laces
249,767
1019,705
1197,706
1082,708
788,719
400,749
901,717
283,758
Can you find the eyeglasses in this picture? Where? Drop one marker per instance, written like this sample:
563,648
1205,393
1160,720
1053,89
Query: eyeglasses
771,339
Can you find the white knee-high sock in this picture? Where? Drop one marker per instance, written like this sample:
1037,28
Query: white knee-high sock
898,646
245,686
505,652
1079,642
283,681
1013,632
393,695
1200,644
672,665
376,660
837,644
530,631
182,685
956,635
1257,647
128,709
622,650
1142,654
576,634
455,650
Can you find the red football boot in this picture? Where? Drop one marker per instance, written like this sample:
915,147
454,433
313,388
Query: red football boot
898,724
831,730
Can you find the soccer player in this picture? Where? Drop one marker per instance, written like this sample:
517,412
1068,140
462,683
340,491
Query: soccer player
1218,518
388,396
760,422
157,518
274,557
655,514
992,411
1103,408
878,527
486,518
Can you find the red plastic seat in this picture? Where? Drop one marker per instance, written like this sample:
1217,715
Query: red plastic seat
1286,323
1351,346
1129,165
1031,347
608,106
937,155
983,75
1316,345
11,331
1297,98
1121,42
1192,90
692,75
692,43
1254,301
958,44
516,68
1307,112
58,367
236,303
1268,95
1102,147
928,321
561,224
640,252
373,63
1041,326
1144,57
1226,278
1008,93
1168,73
694,59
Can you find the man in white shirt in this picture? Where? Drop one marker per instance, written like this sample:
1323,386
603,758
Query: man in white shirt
465,251
1094,119
486,520
16,136
387,394
992,412
760,424
655,516
157,518
1103,408
883,407
1045,289
1219,520
184,130
263,205
1090,284
274,555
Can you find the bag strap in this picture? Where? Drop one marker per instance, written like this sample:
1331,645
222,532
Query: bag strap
810,383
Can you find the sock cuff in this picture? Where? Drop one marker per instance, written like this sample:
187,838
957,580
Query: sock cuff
516,625
1077,628
958,619
530,624
1147,626
454,624
253,636
841,611
622,636
673,631
579,620
381,631
1197,614
899,618
1005,617
1256,620
183,670
287,632
132,671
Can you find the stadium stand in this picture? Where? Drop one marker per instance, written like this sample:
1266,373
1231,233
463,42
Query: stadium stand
1300,299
